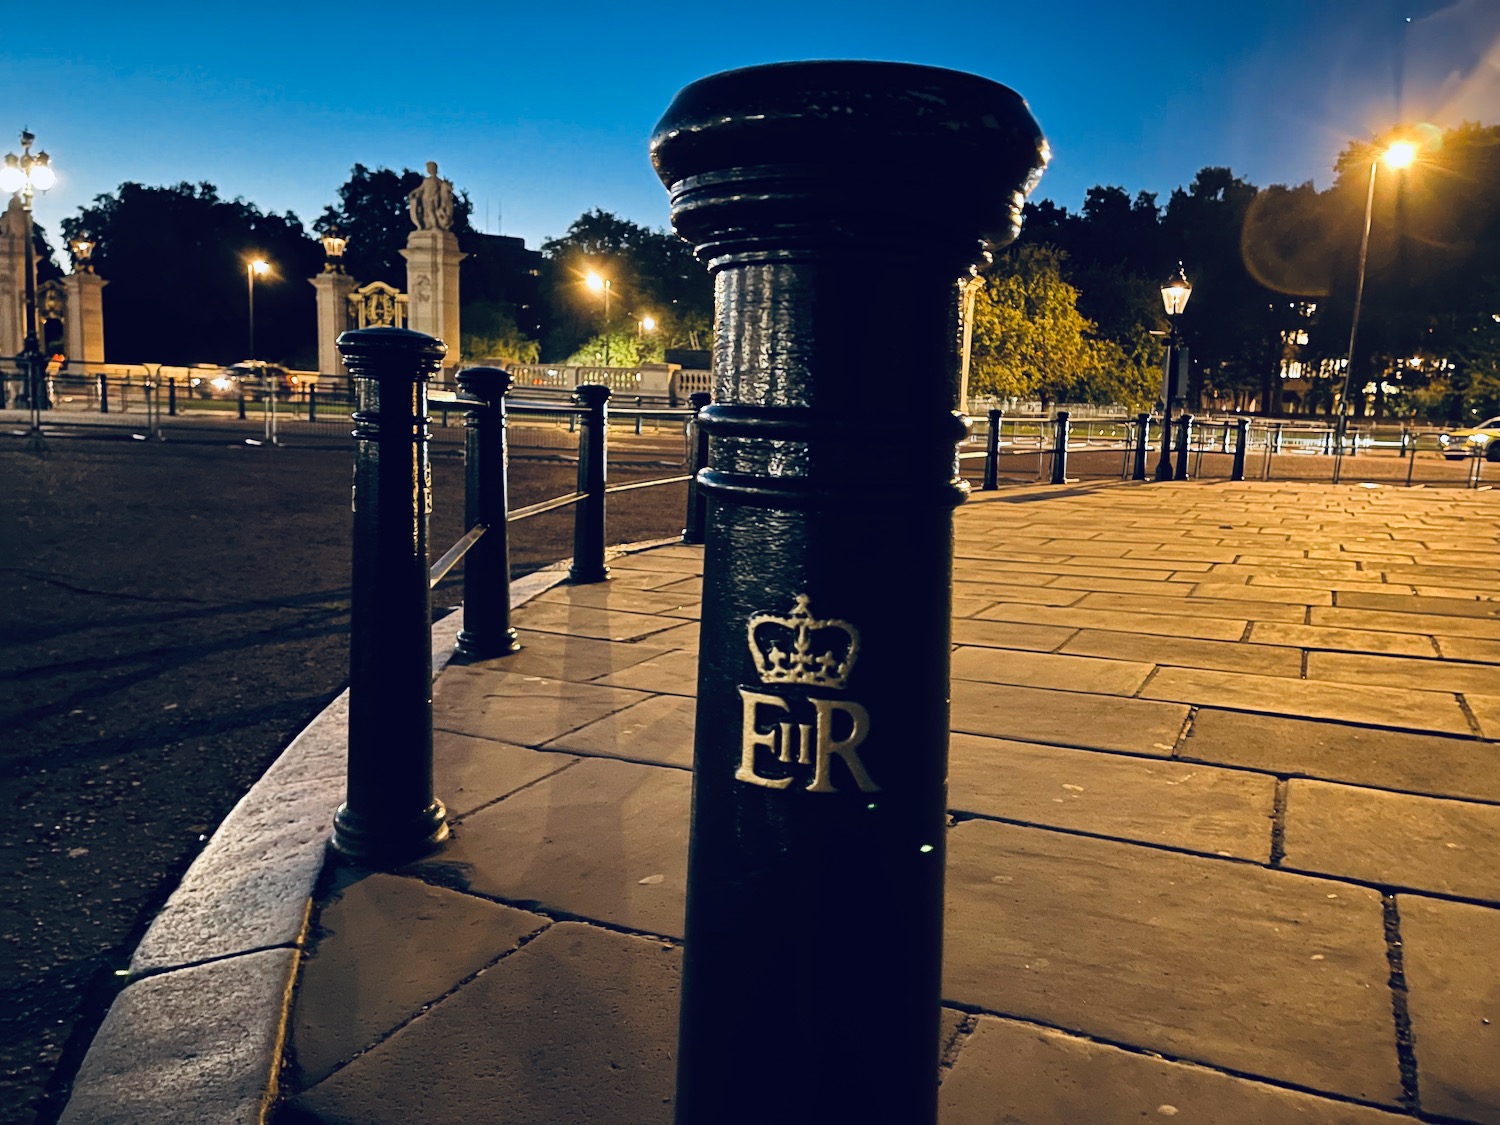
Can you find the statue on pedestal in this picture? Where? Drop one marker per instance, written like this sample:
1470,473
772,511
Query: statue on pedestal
431,202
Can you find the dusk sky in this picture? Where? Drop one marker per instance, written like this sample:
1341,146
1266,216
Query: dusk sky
542,112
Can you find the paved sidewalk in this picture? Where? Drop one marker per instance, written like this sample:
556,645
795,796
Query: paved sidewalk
1225,784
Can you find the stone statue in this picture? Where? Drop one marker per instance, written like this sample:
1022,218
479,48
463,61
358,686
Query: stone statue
431,202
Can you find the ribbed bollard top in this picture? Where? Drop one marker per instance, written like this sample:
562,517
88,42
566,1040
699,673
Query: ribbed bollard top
871,145
378,351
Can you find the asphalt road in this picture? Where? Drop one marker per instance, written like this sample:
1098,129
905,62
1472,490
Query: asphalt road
171,615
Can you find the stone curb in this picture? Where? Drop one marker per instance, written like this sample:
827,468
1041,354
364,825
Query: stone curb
198,1033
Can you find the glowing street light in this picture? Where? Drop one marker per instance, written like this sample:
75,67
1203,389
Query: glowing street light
1397,155
1175,292
600,284
645,324
253,267
25,175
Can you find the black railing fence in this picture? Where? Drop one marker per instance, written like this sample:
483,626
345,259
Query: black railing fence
1032,448
390,813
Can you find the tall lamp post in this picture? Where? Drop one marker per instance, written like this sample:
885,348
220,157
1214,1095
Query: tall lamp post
1175,292
600,284
25,175
1397,155
255,266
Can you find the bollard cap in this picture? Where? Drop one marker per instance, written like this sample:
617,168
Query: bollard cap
770,160
590,394
488,383
378,352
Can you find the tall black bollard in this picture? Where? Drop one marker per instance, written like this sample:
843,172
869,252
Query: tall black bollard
242,404
697,502
172,398
389,814
312,403
1184,439
103,394
588,513
992,452
1241,447
810,990
1142,437
487,630
1060,437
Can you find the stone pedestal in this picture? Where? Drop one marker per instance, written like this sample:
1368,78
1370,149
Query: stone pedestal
432,258
84,338
333,318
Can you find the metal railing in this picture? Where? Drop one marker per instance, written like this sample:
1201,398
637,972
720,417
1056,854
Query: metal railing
1062,448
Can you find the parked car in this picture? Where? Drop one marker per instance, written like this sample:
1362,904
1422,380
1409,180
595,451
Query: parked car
1482,440
250,377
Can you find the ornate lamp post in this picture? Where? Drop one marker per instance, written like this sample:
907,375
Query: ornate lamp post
1175,292
333,251
600,284
25,175
82,249
253,267
1397,155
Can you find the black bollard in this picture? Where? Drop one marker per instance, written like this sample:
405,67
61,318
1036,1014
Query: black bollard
1142,438
1241,447
1060,448
172,398
312,403
389,814
1184,439
697,502
810,987
103,394
242,403
588,513
992,452
487,630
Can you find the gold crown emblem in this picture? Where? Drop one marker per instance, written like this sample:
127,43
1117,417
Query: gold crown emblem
802,649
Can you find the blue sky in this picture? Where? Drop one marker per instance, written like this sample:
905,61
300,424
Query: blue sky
543,111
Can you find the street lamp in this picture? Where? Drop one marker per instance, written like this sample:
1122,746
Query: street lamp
1175,292
333,251
25,175
1398,155
600,284
253,267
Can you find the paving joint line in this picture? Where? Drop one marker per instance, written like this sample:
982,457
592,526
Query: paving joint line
458,821
1278,824
1406,1054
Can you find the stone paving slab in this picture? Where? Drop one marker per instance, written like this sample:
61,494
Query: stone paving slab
1417,763
189,1046
1445,624
674,673
1179,805
1399,672
1048,670
1011,1073
588,621
1164,624
1267,660
1486,712
1010,634
1451,607
388,949
604,595
1257,971
658,730
1342,702
580,1025
1449,953
471,772
1066,718
1395,839
1234,608
558,656
601,840
523,710
1342,640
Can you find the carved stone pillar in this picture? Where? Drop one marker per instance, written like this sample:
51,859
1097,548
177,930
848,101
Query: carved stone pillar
432,258
84,339
333,318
